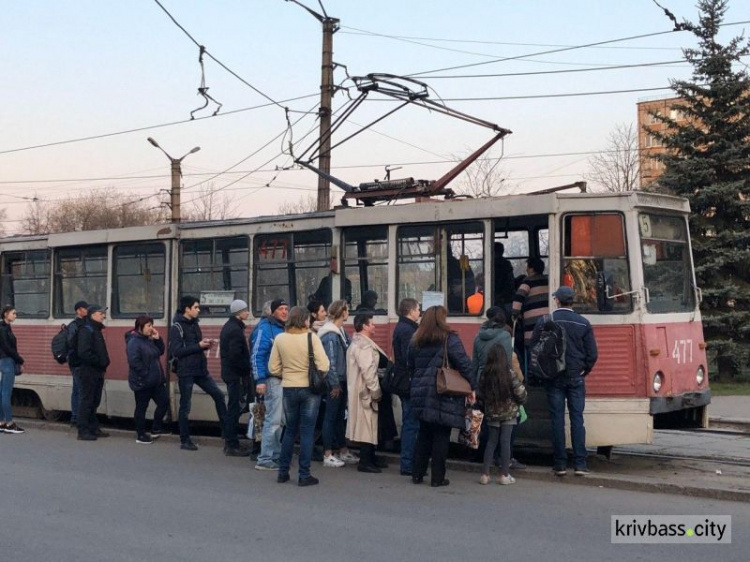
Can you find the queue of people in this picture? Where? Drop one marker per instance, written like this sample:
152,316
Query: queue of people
290,346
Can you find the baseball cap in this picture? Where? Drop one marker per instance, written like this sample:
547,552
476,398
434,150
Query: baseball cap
96,308
564,294
80,304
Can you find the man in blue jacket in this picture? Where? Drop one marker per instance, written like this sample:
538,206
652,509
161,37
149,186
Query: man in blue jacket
267,385
188,347
580,356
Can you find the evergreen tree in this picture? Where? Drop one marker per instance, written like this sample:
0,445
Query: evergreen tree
708,161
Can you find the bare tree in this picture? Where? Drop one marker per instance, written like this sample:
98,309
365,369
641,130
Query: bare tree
305,204
483,178
209,204
94,210
618,167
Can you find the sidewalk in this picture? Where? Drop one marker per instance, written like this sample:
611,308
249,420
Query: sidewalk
733,409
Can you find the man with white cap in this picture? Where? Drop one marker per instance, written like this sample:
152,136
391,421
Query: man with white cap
580,357
235,365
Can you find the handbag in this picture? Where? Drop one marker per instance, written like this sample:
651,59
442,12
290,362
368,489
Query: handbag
469,435
318,383
449,381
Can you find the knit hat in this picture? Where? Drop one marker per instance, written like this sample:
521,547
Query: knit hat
277,303
238,306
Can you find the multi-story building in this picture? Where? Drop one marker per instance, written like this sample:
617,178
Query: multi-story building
648,144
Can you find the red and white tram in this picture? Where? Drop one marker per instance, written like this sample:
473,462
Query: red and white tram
627,256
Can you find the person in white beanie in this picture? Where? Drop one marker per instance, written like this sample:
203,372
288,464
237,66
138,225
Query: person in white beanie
235,365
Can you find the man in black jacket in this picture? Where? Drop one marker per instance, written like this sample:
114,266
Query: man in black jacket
81,308
580,356
188,347
94,360
235,366
408,312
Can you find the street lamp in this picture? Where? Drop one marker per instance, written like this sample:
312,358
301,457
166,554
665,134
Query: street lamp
174,194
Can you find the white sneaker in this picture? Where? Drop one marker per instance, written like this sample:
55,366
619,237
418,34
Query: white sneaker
332,462
349,458
506,480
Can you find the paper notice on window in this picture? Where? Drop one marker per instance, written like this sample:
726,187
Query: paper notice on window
216,298
432,298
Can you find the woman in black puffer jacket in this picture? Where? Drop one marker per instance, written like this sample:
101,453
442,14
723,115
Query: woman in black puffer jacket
146,377
438,413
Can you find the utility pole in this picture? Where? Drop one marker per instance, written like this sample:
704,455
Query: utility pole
174,193
330,26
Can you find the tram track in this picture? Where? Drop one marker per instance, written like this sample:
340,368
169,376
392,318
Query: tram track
732,461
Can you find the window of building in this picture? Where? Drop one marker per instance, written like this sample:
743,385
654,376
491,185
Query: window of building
294,267
215,271
595,262
366,266
138,280
80,274
26,282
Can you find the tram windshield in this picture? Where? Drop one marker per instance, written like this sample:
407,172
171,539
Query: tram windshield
667,266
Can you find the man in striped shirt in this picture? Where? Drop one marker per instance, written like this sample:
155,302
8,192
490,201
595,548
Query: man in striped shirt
532,299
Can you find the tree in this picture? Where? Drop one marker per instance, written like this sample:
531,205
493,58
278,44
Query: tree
618,167
94,210
485,177
707,160
208,205
305,204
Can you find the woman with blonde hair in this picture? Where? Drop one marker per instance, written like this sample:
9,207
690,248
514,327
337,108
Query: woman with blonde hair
290,360
438,413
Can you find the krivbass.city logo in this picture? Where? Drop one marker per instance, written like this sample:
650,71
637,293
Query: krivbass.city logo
678,529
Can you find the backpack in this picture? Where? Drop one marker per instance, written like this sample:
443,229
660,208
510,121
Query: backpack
59,345
172,358
547,361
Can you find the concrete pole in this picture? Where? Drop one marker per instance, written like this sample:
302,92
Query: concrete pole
174,194
330,26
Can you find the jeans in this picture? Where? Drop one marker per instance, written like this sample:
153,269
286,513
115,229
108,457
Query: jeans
75,395
301,411
8,372
207,384
160,397
502,435
234,390
334,423
270,445
91,397
433,441
574,392
409,431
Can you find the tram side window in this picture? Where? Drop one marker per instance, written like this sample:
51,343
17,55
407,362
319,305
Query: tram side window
418,261
293,267
26,282
215,271
595,262
80,274
366,268
667,267
465,268
138,280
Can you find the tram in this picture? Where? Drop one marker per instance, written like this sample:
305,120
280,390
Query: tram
626,255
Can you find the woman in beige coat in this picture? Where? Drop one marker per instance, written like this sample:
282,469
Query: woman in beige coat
362,359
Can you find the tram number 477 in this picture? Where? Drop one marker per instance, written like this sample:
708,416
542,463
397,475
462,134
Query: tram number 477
682,352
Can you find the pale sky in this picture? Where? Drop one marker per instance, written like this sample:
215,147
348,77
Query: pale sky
81,68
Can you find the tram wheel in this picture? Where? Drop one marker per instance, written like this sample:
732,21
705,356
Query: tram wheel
605,451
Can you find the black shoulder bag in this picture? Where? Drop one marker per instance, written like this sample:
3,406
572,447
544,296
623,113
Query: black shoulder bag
318,383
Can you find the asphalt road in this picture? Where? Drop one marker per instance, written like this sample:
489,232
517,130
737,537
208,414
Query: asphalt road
114,500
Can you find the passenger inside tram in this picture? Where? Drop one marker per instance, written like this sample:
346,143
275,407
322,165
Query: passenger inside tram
505,283
461,283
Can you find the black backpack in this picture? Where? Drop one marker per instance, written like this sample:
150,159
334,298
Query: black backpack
547,361
59,345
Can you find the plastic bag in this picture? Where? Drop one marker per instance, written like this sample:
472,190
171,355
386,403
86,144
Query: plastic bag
469,435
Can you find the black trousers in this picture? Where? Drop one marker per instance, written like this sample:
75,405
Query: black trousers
160,396
433,441
234,390
91,396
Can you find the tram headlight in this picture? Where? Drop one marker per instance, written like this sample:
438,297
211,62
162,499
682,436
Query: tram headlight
658,380
700,375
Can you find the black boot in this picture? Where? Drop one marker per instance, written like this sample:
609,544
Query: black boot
367,459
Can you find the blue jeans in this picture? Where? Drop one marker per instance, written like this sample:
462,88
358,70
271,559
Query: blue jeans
270,444
75,395
334,422
409,432
574,392
301,411
207,384
8,372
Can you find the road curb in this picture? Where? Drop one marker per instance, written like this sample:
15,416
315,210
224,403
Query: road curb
531,473
741,424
